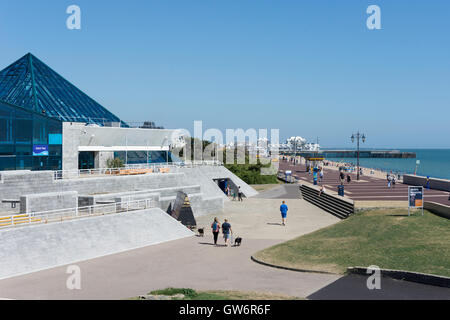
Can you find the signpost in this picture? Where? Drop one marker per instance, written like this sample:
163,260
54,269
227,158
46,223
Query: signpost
415,198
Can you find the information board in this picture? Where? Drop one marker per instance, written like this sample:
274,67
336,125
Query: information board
415,198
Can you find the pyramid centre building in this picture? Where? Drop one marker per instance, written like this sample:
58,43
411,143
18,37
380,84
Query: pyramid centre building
47,123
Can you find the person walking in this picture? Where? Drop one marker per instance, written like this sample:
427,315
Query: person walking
348,178
239,194
283,210
227,232
322,190
389,179
215,226
342,177
321,175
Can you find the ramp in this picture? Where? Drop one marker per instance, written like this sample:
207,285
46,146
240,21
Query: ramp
32,248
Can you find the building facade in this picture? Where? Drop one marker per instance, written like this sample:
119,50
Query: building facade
46,123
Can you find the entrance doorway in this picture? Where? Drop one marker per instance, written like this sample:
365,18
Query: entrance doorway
86,160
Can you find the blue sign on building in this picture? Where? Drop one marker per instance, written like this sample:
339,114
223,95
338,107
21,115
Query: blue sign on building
40,150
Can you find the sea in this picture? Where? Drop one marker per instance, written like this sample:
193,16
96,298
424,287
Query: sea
433,162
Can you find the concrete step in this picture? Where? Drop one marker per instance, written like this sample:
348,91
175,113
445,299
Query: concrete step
333,204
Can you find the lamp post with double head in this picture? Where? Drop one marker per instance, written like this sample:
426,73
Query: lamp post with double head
358,136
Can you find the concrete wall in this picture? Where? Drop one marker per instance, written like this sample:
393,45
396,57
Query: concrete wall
204,206
14,184
33,248
38,202
437,208
89,200
437,184
102,157
205,176
77,135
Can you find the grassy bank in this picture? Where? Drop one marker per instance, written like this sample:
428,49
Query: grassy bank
190,294
265,187
251,173
386,238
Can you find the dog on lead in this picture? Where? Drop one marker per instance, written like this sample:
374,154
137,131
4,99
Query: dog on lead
237,241
201,232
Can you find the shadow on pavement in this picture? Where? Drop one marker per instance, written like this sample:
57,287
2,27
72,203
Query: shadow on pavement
354,287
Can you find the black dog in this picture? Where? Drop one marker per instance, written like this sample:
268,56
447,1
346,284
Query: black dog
237,241
201,232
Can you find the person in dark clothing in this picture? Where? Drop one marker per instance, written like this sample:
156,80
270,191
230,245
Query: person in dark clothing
215,226
239,194
342,177
348,178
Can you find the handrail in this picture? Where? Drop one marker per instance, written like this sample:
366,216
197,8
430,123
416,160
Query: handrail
155,167
59,215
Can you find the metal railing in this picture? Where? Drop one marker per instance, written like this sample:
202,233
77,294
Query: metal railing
151,167
74,213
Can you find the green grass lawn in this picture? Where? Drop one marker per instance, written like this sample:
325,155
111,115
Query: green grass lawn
387,238
191,294
265,187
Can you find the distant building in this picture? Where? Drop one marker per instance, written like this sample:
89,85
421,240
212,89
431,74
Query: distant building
299,144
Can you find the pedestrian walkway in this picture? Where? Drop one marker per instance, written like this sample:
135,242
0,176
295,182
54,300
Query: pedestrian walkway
192,262
366,189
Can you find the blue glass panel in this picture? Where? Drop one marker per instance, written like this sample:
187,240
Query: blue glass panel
55,138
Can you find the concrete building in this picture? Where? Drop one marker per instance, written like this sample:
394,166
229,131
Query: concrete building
46,123
49,131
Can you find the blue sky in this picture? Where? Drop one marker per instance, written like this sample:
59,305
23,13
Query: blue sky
309,68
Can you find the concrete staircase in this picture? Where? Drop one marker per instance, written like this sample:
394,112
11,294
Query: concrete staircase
338,206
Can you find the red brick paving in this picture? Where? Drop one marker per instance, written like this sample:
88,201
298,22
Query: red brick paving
367,189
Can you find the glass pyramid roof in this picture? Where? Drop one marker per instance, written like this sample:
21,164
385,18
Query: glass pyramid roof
32,84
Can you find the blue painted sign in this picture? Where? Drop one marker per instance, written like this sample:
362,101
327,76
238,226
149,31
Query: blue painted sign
40,150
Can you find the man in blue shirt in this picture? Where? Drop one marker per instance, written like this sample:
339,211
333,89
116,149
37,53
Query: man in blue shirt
284,210
227,232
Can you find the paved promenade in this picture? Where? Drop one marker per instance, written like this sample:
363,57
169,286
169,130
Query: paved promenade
192,262
368,188
195,263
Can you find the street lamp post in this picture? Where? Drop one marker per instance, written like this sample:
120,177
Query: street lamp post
295,150
358,136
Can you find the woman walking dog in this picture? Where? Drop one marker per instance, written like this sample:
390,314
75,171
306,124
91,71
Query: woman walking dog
215,226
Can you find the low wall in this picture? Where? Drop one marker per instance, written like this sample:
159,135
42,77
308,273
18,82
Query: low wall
38,202
32,248
88,200
203,206
14,184
200,179
437,208
437,184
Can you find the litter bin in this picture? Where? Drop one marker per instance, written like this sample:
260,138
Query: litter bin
341,190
